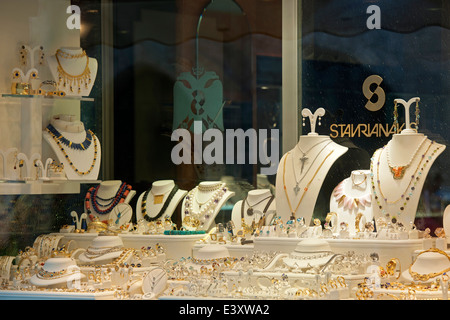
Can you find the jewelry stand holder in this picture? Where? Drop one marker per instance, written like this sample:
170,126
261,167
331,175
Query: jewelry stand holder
297,198
446,222
218,203
159,188
351,200
392,171
108,190
85,160
73,69
259,199
5,156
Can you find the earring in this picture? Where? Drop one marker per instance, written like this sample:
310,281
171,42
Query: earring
23,55
304,124
395,115
41,56
417,114
320,120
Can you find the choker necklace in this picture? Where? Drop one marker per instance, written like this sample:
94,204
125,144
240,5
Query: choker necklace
195,219
350,202
73,145
66,156
164,207
91,196
250,210
68,79
306,187
297,182
399,171
407,194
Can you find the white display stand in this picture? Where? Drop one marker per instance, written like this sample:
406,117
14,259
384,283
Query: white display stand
446,222
316,154
162,187
203,197
413,154
74,131
258,199
351,197
75,67
107,190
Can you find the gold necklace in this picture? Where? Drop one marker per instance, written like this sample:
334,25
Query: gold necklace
306,187
424,277
66,156
68,79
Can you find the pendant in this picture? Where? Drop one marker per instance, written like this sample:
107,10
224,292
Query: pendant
250,211
296,189
398,172
158,199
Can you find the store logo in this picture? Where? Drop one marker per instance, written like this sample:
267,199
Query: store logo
374,21
378,93
74,21
208,147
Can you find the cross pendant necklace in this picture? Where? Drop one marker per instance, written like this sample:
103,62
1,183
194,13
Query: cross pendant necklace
303,160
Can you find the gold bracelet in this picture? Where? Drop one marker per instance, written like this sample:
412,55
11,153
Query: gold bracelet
392,265
425,277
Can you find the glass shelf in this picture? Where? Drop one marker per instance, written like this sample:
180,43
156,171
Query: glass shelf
30,96
38,187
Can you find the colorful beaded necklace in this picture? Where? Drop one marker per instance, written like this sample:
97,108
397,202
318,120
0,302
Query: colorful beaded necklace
91,197
408,193
73,145
66,156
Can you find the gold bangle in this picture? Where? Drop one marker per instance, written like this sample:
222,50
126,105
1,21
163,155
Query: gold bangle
387,295
392,265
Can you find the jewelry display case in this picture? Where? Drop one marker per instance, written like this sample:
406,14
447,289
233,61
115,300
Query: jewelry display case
224,150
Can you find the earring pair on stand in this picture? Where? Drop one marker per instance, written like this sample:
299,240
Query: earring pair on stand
417,114
320,121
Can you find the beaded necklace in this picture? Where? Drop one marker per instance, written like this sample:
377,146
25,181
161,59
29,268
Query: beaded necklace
57,140
91,197
73,145
407,194
399,171
195,218
164,207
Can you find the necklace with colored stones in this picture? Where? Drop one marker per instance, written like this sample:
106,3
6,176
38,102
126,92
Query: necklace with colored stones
57,140
91,197
398,171
73,145
379,196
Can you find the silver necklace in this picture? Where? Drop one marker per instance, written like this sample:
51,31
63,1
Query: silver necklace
297,182
304,158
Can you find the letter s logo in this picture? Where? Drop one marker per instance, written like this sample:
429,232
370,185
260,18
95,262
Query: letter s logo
379,92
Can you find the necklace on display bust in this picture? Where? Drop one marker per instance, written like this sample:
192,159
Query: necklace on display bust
398,171
297,182
60,140
408,193
164,207
119,197
68,79
76,146
196,218
304,189
250,210
350,202
304,158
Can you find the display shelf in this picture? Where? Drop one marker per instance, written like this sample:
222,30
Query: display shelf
176,246
54,295
43,187
31,96
235,250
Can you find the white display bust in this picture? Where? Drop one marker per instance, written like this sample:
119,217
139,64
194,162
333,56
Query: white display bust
320,153
257,200
82,160
351,197
108,190
156,199
73,62
201,196
410,155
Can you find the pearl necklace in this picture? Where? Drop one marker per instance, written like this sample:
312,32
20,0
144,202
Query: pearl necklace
398,171
195,219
